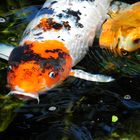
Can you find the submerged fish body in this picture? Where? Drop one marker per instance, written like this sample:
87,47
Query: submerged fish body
55,41
121,33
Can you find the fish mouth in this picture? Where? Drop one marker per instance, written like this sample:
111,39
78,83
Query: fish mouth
27,95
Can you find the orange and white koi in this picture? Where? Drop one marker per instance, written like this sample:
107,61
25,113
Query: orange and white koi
53,42
121,33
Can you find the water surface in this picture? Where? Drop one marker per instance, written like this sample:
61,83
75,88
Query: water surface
78,109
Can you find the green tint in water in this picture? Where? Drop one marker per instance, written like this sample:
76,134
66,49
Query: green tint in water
77,110
105,62
7,114
7,104
14,17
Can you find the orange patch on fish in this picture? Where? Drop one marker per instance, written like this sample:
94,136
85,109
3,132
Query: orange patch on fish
26,74
29,76
41,48
34,75
48,24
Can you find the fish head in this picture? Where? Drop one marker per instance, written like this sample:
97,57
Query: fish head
121,34
37,67
130,42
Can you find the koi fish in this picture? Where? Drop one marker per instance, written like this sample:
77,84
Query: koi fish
53,43
121,33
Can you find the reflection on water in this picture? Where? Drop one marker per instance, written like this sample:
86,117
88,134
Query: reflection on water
78,109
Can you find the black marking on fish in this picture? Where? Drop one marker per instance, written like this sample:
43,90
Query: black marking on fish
51,63
80,25
49,24
37,34
20,54
60,15
66,25
40,37
70,12
61,54
53,2
24,54
57,26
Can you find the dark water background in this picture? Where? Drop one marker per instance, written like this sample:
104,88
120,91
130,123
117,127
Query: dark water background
78,109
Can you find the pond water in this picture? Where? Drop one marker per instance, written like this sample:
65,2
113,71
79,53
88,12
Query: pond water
77,109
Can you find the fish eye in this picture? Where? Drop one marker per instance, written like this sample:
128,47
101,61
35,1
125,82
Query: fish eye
52,74
136,41
9,68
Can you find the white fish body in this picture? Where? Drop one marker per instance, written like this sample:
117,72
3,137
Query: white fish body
83,17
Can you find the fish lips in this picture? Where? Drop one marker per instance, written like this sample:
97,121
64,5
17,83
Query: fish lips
24,95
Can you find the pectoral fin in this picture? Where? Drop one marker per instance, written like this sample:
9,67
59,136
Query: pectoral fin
5,51
90,77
